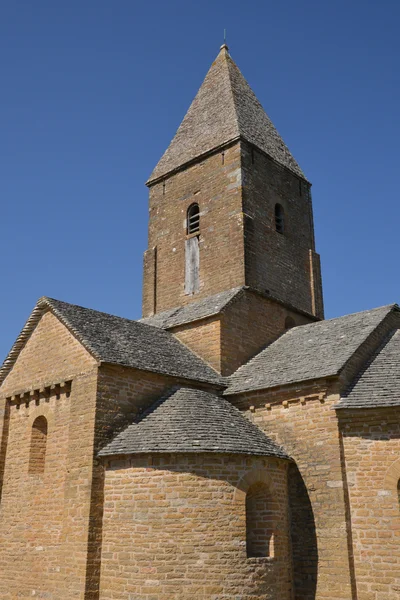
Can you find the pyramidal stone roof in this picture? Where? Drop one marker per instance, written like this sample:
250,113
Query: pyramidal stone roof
191,420
225,109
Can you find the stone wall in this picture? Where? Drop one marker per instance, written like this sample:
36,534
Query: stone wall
284,264
203,338
371,454
303,422
228,340
215,184
248,325
44,514
175,527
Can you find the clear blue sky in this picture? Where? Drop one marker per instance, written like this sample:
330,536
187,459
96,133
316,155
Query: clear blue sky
93,91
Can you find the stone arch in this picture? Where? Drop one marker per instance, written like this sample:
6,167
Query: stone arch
249,479
392,480
38,445
258,497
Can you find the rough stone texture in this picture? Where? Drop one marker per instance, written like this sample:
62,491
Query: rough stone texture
181,315
204,338
378,384
215,184
189,420
305,424
312,351
115,340
44,517
174,524
250,323
370,442
241,319
175,527
224,109
283,264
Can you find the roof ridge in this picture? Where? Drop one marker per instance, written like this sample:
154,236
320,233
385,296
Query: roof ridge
116,340
368,363
312,351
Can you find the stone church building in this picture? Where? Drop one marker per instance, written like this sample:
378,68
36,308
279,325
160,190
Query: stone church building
232,444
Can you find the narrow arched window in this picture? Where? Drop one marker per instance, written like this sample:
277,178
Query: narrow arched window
279,218
260,521
193,219
289,323
38,445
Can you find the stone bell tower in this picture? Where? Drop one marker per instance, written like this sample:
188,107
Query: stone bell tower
229,206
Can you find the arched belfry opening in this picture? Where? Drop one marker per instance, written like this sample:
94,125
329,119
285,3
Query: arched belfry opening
192,250
37,457
193,219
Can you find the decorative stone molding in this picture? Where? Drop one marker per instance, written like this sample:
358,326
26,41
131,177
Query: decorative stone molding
36,394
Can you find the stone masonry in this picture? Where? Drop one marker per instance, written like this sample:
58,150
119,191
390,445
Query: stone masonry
232,444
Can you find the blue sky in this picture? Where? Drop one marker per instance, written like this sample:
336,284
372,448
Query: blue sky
93,91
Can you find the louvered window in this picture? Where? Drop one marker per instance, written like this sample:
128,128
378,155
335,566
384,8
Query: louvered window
193,219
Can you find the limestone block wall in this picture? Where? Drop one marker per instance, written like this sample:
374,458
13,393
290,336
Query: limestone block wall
285,264
371,453
174,526
248,325
228,340
303,422
44,512
215,184
204,338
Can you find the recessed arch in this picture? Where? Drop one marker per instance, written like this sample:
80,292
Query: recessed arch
261,521
37,456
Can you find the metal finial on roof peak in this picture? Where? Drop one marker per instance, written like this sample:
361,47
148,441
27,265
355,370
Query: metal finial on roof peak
224,45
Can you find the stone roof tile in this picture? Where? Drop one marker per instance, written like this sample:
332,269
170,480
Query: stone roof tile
207,307
120,341
225,109
307,352
192,421
378,384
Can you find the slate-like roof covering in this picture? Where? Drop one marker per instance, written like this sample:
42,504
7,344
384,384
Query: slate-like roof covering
191,420
224,109
378,384
212,305
120,341
307,352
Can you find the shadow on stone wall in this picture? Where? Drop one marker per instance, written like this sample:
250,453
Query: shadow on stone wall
304,539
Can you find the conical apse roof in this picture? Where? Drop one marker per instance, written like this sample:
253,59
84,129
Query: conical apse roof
224,109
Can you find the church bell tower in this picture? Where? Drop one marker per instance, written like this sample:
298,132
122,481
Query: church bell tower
230,207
